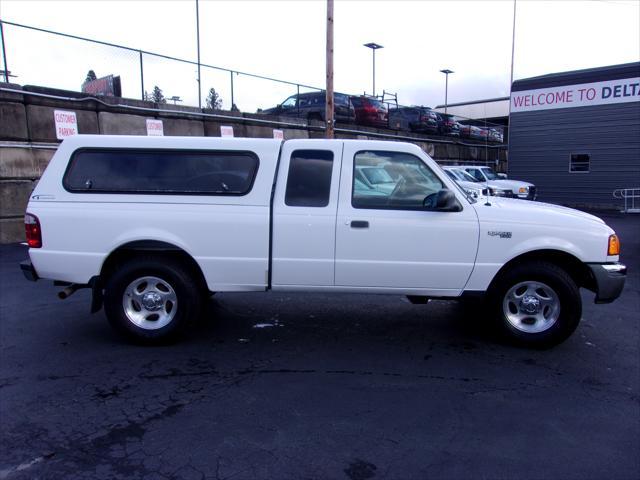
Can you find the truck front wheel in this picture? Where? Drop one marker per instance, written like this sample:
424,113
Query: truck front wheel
151,300
536,304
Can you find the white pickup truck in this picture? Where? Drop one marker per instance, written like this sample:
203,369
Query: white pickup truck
155,225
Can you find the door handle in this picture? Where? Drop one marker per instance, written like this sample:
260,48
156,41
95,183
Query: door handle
359,224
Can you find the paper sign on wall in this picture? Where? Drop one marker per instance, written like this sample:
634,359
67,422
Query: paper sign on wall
154,128
66,124
278,134
226,131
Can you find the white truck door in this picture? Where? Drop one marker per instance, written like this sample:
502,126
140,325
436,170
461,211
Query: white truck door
304,214
386,239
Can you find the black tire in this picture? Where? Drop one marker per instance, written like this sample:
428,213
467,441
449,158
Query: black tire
176,281
554,280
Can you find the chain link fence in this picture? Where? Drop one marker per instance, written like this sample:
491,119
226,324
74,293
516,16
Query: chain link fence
34,56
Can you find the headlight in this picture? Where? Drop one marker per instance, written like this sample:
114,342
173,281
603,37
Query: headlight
524,190
614,245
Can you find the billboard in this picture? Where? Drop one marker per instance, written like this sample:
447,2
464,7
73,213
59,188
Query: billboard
108,86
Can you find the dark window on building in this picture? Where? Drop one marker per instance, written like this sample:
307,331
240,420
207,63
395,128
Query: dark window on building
579,163
161,172
309,179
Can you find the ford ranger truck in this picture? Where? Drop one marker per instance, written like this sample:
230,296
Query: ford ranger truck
154,225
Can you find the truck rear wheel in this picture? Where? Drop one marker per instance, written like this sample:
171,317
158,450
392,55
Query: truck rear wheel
152,300
536,304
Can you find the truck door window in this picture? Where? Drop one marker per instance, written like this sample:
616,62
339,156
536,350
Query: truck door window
309,179
396,180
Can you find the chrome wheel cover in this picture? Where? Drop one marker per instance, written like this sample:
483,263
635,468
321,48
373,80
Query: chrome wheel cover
531,307
150,303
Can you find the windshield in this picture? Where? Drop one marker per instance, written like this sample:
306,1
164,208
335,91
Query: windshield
467,177
490,174
289,102
376,103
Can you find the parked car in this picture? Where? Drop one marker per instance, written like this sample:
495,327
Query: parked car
370,111
448,125
495,135
488,187
520,189
473,188
312,106
471,131
416,119
189,216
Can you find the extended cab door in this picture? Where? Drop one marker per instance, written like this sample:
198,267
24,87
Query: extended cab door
385,238
304,214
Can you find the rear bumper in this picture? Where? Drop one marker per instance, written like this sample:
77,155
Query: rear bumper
609,280
28,271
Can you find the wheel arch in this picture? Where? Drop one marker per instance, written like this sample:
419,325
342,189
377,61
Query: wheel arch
136,248
571,264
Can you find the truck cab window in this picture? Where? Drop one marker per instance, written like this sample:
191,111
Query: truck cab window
392,180
309,179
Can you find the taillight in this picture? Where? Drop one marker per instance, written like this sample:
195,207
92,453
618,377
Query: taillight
33,231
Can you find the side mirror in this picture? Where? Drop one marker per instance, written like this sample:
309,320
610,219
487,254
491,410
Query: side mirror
446,201
502,176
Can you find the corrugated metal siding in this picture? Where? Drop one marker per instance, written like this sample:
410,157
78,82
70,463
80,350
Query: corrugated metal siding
613,72
541,142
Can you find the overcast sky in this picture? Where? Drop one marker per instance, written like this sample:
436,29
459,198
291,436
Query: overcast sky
286,40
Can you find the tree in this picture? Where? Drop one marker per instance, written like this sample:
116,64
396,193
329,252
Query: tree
157,95
213,100
91,75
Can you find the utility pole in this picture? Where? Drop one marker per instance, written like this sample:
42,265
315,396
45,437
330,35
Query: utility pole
329,133
513,49
198,41
513,43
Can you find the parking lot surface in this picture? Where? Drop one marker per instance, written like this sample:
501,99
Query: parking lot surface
290,386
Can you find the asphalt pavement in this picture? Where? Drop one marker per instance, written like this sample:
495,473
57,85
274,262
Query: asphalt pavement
301,386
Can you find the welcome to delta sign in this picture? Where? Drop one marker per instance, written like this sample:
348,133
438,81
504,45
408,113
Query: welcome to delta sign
582,95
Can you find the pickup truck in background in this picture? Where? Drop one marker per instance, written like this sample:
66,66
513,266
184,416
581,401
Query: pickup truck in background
153,225
482,173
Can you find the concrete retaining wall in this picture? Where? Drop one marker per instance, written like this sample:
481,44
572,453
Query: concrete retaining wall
28,136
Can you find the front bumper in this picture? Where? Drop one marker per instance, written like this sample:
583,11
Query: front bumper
609,280
28,271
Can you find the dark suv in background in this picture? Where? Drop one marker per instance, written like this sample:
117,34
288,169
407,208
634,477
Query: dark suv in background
370,111
312,106
416,119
